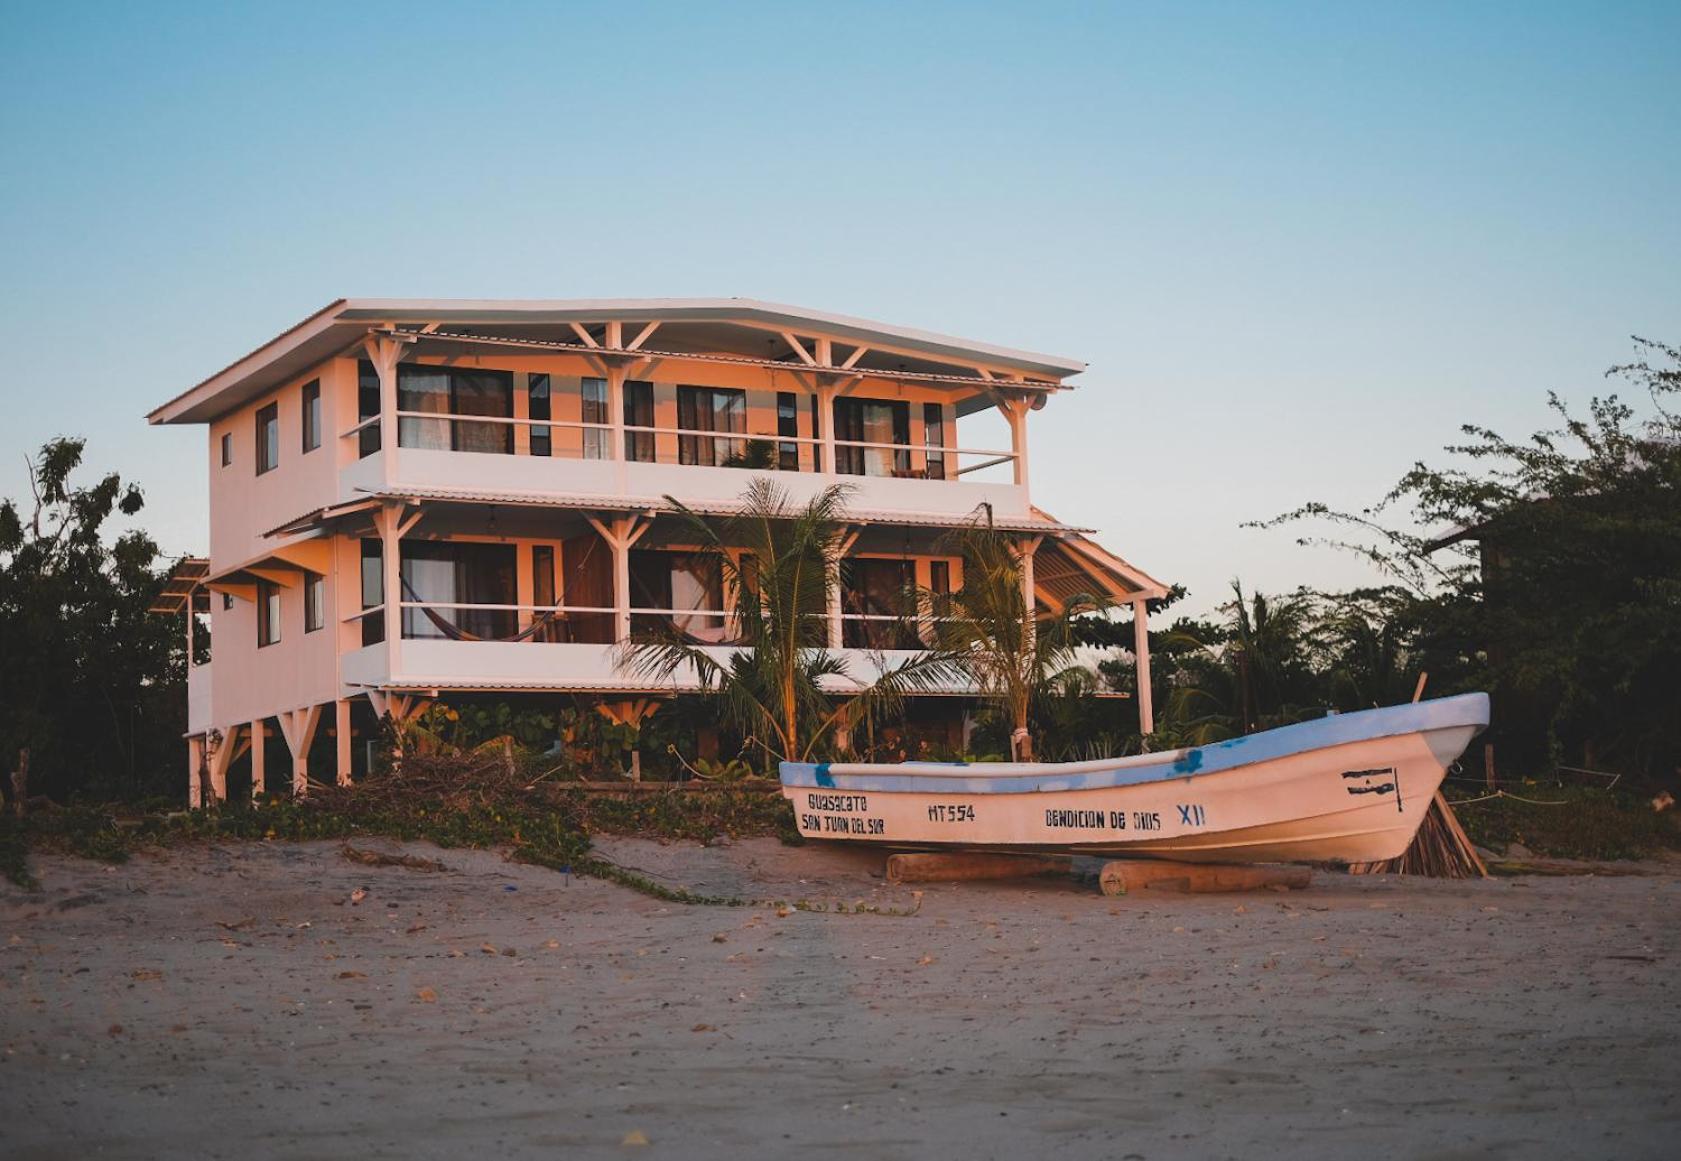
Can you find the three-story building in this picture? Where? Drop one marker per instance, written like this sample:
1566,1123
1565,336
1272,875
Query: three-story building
411,499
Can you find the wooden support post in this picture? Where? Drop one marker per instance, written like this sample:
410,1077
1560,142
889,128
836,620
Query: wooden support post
387,521
1123,876
195,772
1141,667
299,726
845,539
1015,409
961,866
259,776
826,392
222,755
341,739
621,533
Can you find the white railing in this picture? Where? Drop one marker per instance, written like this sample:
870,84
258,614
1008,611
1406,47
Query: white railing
681,445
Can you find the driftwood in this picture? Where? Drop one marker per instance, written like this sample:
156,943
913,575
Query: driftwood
959,866
1440,850
1127,875
382,859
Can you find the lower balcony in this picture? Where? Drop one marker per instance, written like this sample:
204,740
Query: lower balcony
554,666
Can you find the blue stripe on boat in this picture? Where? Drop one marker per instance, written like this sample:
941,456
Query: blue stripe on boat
1468,709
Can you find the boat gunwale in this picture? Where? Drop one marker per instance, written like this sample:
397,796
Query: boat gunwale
1460,711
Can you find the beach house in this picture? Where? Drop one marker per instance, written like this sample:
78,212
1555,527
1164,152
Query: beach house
410,500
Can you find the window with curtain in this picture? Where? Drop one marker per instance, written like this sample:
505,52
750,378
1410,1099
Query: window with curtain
312,415
455,395
315,601
682,581
639,412
593,392
710,409
934,439
268,613
373,590
367,406
787,425
877,588
873,421
268,438
447,573
543,591
538,407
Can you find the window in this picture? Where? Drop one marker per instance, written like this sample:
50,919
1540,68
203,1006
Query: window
934,439
227,448
455,395
539,407
688,583
817,435
787,424
373,591
880,422
710,409
312,415
268,613
543,591
268,438
594,395
639,412
877,589
453,573
315,601
227,601
367,407
939,577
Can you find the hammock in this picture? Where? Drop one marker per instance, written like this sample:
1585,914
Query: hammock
538,623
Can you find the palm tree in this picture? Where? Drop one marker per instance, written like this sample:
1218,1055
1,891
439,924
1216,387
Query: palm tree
987,632
779,567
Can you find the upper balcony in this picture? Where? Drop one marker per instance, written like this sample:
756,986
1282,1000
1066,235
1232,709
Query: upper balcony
718,479
488,432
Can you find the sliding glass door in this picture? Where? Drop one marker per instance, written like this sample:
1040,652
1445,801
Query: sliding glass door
448,393
459,573
873,421
710,409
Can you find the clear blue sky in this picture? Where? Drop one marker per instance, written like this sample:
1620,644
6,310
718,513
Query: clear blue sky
1297,243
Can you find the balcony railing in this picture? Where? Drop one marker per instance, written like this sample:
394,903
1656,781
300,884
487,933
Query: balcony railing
596,625
499,435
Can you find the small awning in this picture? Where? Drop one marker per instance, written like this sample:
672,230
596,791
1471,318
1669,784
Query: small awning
185,583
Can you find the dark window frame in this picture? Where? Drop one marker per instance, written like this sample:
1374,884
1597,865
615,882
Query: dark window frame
934,440
639,412
539,407
268,438
315,602
367,407
311,416
268,614
227,449
787,424
701,447
373,562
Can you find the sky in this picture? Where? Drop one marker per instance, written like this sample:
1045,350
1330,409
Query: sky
1298,244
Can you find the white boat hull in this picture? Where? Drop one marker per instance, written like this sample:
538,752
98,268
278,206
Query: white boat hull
1350,788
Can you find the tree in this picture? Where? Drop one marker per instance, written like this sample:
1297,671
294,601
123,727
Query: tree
778,564
1548,570
986,631
91,684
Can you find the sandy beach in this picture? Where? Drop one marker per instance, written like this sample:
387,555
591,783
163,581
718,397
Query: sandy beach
243,1001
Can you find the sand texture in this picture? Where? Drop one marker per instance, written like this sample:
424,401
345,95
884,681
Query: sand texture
234,1001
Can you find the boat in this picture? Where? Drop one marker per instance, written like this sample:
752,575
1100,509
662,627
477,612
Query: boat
1346,788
